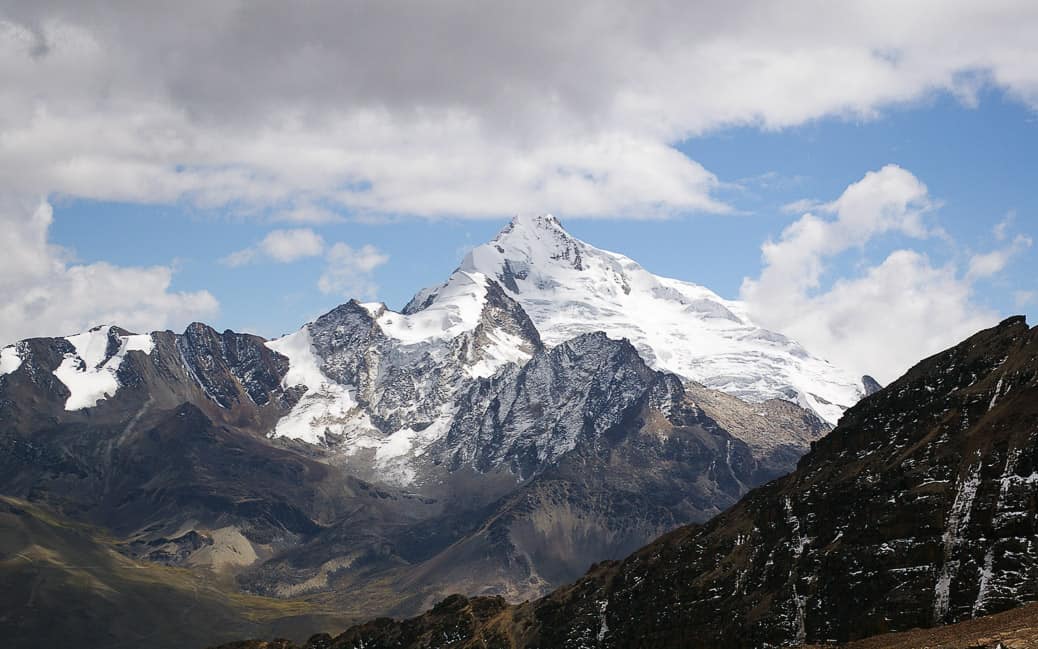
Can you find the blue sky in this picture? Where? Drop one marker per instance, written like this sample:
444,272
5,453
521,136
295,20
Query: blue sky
980,162
252,165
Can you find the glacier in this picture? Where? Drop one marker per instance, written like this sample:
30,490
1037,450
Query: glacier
569,287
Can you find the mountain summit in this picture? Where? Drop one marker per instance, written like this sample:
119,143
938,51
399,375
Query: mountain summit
569,287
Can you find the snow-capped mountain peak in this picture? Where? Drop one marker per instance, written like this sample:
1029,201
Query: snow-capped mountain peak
386,380
569,288
527,241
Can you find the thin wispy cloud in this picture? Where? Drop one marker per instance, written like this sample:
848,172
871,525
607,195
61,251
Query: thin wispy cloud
348,271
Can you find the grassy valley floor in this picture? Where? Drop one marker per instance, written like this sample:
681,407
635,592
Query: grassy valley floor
65,585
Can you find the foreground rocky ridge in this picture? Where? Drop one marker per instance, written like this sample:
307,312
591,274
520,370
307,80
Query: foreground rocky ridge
918,510
1013,629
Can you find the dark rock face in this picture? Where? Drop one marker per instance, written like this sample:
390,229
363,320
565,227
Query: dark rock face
918,509
596,502
229,364
871,385
582,390
340,338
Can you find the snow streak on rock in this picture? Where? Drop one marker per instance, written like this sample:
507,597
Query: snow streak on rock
958,517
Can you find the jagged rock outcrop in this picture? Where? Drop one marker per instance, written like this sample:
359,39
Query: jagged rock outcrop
381,386
527,417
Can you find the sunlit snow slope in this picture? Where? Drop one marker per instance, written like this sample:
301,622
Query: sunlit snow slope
569,287
91,373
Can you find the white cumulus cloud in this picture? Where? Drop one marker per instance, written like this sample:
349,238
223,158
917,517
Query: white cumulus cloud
44,293
477,110
887,316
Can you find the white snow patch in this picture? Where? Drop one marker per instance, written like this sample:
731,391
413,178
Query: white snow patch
799,540
88,385
395,454
986,574
303,364
603,627
88,375
139,343
9,360
800,604
91,345
326,406
830,412
994,397
1007,477
397,445
374,309
455,310
505,348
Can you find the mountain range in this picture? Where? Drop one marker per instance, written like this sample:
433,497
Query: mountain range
549,405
